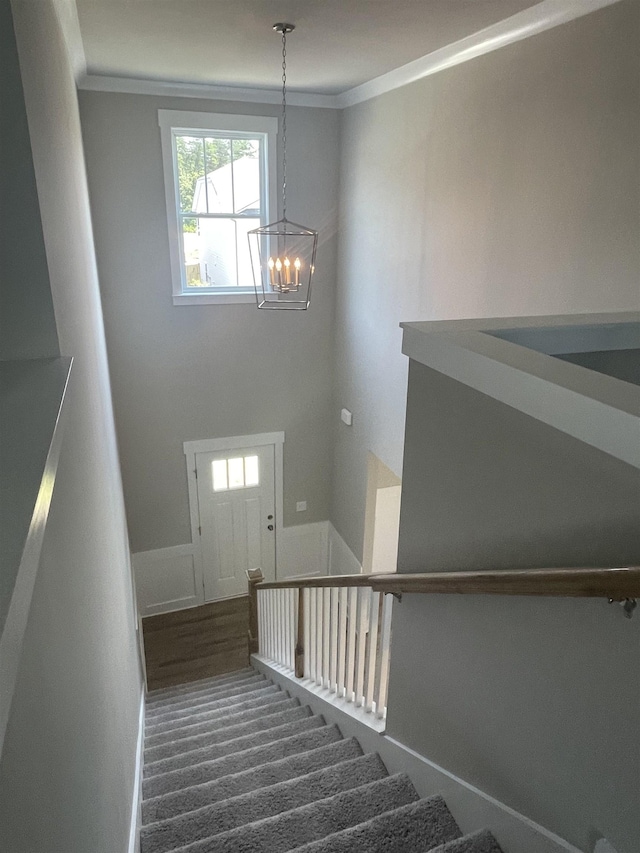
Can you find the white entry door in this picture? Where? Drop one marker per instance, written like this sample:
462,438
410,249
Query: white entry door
236,504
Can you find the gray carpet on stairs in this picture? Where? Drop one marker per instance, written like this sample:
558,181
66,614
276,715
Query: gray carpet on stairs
322,748
199,707
189,729
229,732
166,692
246,808
234,765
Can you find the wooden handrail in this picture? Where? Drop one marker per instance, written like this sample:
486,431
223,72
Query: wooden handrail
320,581
615,583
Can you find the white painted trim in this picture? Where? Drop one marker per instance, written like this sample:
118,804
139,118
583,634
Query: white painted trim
235,442
536,19
15,624
472,808
166,555
214,298
136,86
174,122
67,14
599,410
136,802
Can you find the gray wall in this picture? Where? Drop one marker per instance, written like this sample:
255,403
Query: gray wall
505,186
27,324
181,372
535,701
68,763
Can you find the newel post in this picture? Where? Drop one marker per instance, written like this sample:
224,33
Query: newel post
254,577
300,636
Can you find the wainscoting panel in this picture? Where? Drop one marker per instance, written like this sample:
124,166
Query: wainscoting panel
302,550
166,580
342,560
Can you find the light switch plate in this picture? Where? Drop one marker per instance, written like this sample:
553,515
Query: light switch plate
301,506
346,417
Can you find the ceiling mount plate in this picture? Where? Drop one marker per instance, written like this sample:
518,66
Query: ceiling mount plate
284,28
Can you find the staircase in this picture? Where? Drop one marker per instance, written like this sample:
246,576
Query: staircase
234,765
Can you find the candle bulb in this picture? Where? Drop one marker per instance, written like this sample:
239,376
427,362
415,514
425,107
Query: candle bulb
272,278
279,271
287,270
297,265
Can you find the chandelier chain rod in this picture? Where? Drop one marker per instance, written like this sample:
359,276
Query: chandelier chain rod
284,124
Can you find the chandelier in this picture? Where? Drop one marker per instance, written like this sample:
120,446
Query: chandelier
283,253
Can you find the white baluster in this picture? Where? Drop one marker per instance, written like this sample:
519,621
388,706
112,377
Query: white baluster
361,641
313,633
351,643
383,657
319,640
373,648
307,633
280,657
292,629
333,645
326,636
342,639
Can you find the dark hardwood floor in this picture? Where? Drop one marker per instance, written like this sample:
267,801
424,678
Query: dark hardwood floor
197,643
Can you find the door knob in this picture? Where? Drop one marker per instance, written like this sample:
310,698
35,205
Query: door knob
269,517
269,526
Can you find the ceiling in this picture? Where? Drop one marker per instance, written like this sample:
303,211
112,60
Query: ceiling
337,44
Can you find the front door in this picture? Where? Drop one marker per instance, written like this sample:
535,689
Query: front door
237,524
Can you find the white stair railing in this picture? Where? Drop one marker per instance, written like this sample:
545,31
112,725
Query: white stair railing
333,632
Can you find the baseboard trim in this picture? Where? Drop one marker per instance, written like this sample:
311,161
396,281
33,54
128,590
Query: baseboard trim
472,808
136,802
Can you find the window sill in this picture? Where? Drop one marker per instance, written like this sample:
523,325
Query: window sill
213,298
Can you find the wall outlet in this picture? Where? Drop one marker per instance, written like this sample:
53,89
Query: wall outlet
346,417
301,506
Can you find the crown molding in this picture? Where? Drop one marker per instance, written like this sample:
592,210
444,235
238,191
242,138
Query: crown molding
536,19
133,86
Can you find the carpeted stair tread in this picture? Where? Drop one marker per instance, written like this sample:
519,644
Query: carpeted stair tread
228,747
163,836
180,714
213,716
189,686
225,733
199,697
322,748
417,826
477,842
289,830
224,721
235,762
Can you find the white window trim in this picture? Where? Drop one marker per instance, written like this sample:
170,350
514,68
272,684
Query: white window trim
184,121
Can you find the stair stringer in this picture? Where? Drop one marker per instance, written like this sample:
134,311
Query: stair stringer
472,808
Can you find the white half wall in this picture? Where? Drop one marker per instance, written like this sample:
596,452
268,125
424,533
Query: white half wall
341,559
166,580
302,550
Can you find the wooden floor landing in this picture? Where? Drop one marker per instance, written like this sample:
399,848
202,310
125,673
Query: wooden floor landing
197,643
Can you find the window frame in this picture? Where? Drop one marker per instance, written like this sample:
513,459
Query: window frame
177,123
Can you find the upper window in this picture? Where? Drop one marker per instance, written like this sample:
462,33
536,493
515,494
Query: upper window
219,173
